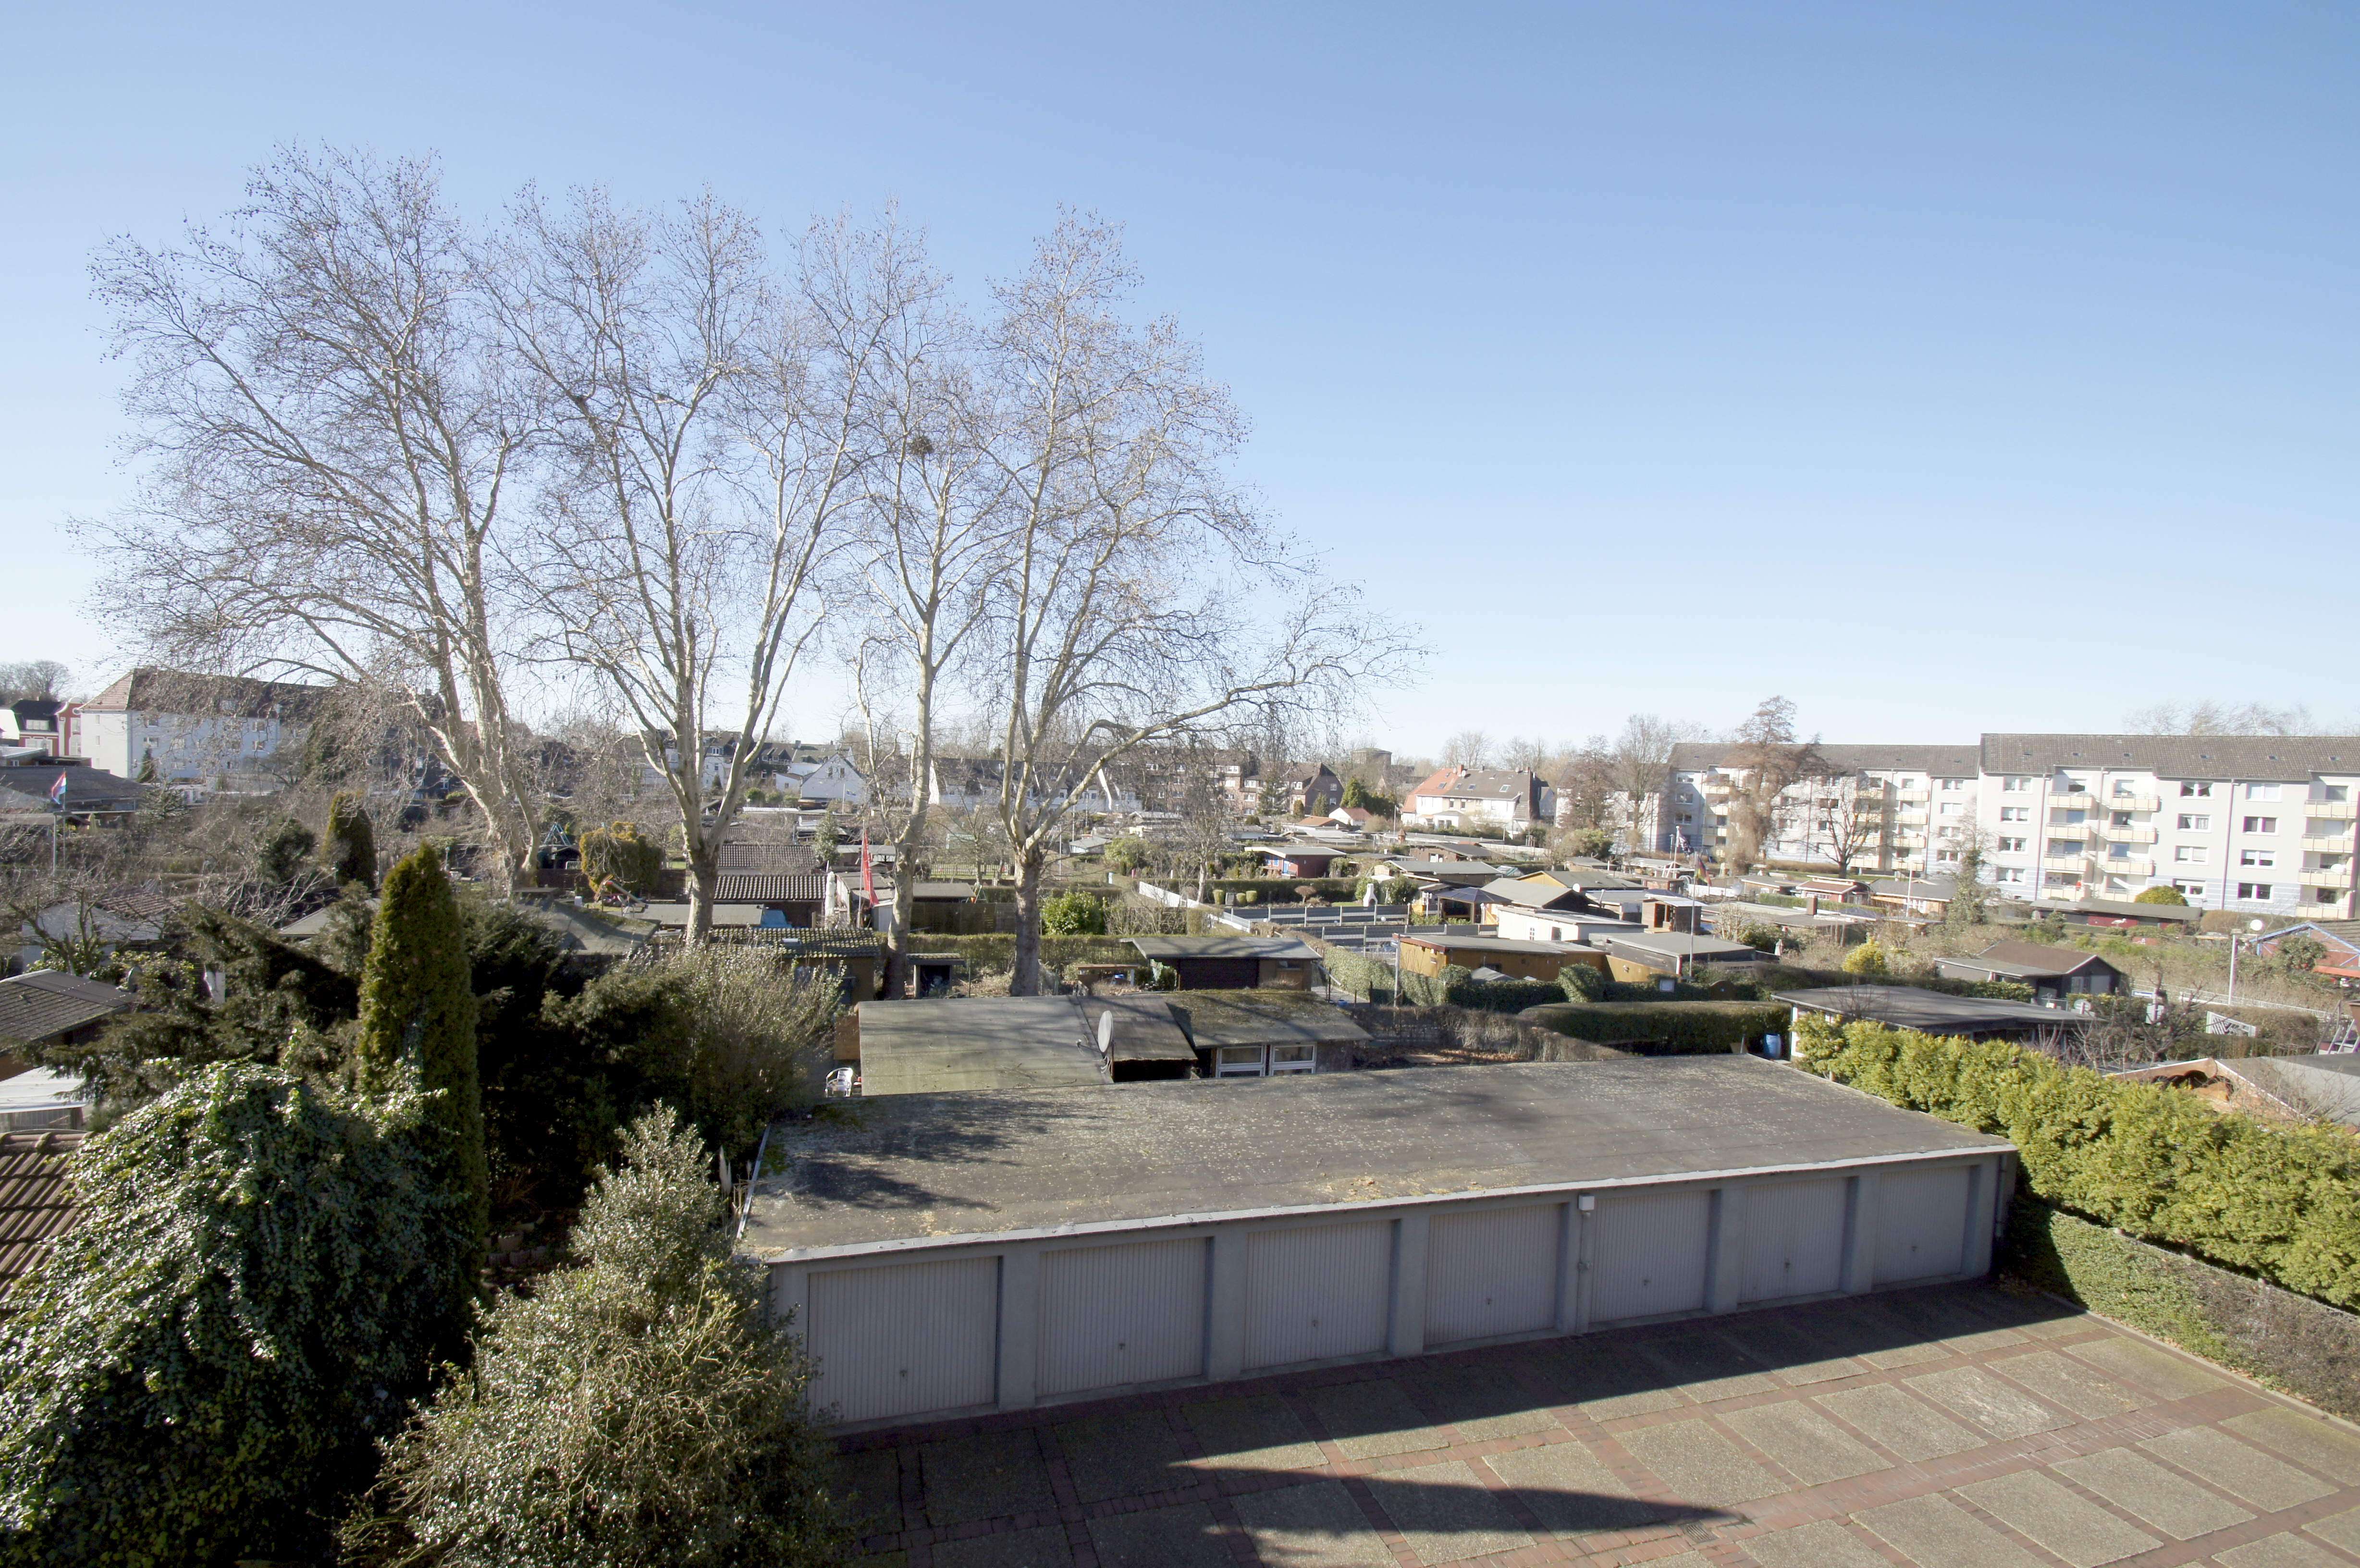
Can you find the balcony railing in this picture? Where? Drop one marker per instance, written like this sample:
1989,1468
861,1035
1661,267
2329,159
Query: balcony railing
2333,840
2113,834
2127,866
2328,811
2062,862
2338,877
2129,803
1911,797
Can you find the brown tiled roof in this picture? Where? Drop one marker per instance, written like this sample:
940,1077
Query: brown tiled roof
766,857
37,1203
2034,958
2289,760
149,690
46,1003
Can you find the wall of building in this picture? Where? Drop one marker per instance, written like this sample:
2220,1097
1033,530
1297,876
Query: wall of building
1008,1324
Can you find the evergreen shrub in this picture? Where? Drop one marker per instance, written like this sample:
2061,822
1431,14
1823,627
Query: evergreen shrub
2280,1202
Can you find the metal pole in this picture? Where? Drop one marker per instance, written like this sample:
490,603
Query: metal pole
2232,969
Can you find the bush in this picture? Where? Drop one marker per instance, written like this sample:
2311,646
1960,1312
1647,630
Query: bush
2280,1202
1869,961
1073,914
2165,893
1665,1029
284,852
621,852
418,1017
1581,983
202,1365
352,843
638,1410
1128,855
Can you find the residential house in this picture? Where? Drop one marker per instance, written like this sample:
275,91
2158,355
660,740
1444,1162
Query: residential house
973,783
1234,963
2259,824
1509,799
34,725
1893,807
2053,973
217,732
1305,788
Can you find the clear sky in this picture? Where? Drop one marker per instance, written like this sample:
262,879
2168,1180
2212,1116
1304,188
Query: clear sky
1942,368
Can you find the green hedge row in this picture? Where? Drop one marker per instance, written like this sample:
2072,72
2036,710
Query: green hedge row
2282,1202
1665,1029
1456,986
2307,1349
997,953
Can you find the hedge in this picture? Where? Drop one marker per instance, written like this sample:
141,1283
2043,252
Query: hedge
2248,1324
2280,1202
994,953
1455,987
1665,1029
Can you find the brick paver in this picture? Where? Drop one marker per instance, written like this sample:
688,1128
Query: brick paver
1952,1427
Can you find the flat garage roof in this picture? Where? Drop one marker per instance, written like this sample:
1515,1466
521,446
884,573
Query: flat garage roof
975,1042
922,1169
1933,1012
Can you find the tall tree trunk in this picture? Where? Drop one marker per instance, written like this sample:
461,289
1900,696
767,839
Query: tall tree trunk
1026,980
703,878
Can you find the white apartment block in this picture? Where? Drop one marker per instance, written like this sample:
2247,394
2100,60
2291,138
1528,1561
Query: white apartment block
2260,823
1897,808
224,731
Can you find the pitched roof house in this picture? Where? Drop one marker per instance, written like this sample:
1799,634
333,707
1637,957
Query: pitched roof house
1457,796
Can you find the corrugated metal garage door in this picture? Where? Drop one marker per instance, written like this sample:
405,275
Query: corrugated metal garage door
1647,1254
1112,1315
1318,1292
1491,1271
1794,1239
907,1339
1921,1223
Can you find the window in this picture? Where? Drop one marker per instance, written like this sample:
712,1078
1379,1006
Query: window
2261,824
2008,873
2077,786
2064,846
2192,855
2060,879
2011,847
2191,822
1953,807
2261,791
2015,814
2075,819
2253,889
2264,858
2016,784
2124,786
2190,888
1954,784
1293,1058
2121,818
2335,792
2327,895
2191,790
2118,852
1238,1061
1946,857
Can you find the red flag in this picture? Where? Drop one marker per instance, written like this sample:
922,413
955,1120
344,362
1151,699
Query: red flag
867,872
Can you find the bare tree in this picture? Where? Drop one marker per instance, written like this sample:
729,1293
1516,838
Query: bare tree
1531,756
1639,764
1584,776
1766,761
39,679
334,436
2210,718
1141,599
713,432
1848,815
1468,748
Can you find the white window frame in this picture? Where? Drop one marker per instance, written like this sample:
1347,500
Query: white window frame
2261,791
2190,821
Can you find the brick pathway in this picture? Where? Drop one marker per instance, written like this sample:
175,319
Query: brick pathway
1957,1428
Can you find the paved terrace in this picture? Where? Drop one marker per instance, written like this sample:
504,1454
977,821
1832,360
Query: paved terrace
1953,1428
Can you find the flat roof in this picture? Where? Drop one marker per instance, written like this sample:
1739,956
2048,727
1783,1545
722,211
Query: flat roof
1264,1018
923,1170
1493,944
1680,944
976,1042
1935,1012
1221,947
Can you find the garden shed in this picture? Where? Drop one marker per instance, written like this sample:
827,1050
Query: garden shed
950,1255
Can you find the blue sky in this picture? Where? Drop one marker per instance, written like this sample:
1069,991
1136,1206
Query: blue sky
1945,369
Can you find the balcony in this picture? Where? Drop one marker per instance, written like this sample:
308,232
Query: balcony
2130,804
1911,797
2062,862
2113,834
2069,830
2338,877
1912,816
2127,866
2328,811
2332,842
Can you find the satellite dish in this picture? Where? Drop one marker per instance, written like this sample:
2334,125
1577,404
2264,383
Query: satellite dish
1106,1033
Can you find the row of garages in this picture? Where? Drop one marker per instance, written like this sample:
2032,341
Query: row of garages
1028,1270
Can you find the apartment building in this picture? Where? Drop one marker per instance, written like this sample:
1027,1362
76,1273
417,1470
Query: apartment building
231,731
2258,823
1893,809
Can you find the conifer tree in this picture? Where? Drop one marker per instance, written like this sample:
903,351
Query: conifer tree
418,1007
352,842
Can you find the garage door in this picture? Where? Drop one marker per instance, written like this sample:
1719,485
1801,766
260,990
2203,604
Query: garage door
1647,1253
1921,1223
1491,1271
1318,1292
905,1340
1113,1315
1794,1239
